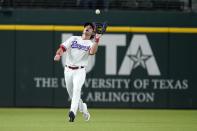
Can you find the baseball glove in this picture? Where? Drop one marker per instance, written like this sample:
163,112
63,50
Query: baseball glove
100,28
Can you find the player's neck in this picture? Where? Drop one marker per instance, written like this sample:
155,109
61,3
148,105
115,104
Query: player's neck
85,37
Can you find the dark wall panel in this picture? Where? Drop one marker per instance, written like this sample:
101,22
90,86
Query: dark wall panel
7,68
33,61
183,66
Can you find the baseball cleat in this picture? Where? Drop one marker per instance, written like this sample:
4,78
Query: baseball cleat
86,114
71,116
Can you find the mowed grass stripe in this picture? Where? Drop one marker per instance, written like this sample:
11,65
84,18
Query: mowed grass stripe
34,119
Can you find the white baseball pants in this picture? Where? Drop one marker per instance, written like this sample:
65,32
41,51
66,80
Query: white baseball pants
74,81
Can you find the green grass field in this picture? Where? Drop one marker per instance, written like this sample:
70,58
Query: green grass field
33,119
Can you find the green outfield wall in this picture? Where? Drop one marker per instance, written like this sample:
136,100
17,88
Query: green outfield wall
144,60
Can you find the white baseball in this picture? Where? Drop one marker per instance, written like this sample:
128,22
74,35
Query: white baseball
97,11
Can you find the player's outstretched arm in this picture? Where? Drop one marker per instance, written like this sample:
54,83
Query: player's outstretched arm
59,53
94,47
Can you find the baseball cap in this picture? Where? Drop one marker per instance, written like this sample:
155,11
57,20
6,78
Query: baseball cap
89,23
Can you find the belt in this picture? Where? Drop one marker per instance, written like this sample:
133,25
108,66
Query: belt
74,67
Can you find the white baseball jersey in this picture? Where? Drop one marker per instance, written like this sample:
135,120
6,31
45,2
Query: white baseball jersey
77,51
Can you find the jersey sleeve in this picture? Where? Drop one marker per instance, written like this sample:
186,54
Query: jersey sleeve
67,43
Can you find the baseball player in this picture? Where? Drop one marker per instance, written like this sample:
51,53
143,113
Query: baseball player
78,49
